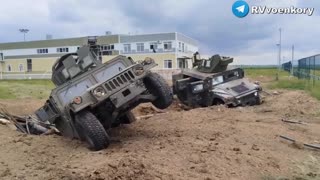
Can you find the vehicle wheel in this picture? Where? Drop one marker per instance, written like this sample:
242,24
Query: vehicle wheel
128,118
157,86
258,100
89,127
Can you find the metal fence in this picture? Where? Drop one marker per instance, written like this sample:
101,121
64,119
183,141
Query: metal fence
306,68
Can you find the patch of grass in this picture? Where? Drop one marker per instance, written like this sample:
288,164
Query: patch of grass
39,89
5,93
294,83
285,81
268,72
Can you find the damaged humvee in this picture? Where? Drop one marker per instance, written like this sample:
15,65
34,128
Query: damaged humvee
91,97
211,82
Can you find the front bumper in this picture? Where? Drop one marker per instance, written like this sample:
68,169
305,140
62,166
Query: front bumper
247,99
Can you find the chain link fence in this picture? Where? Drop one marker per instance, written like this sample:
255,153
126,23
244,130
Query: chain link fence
306,68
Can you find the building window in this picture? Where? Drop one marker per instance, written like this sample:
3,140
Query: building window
140,47
21,69
167,45
153,46
127,48
62,50
42,51
106,53
167,64
107,47
9,68
1,56
180,46
29,65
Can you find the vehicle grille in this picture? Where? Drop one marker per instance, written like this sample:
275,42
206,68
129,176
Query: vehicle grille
248,96
120,80
240,88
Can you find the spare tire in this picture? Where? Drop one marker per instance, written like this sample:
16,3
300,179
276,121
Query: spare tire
91,130
158,86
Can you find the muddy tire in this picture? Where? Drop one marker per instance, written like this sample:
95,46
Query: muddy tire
258,100
128,118
91,130
157,86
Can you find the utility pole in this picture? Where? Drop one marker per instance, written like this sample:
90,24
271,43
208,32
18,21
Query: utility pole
280,30
279,56
292,60
24,31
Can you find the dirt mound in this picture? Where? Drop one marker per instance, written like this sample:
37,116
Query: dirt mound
204,143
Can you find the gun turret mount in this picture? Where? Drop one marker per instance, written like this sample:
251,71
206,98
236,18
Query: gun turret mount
214,64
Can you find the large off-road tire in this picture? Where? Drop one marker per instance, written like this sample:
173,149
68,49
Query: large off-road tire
90,128
158,86
127,118
258,100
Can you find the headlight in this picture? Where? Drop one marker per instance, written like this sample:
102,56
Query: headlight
77,100
198,87
256,94
138,70
99,91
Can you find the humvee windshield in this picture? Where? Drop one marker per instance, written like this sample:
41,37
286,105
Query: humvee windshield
77,89
109,72
228,76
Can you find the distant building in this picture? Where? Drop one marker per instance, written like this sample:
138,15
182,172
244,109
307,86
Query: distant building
170,51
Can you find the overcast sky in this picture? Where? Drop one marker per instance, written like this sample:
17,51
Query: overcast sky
251,40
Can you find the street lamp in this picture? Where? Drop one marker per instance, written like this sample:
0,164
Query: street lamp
24,31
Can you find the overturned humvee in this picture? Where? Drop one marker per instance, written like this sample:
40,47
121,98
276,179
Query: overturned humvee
211,82
90,97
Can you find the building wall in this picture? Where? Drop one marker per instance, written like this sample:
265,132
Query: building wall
17,53
39,65
107,58
158,58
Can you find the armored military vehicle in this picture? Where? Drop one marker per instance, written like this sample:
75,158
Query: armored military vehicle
90,97
211,82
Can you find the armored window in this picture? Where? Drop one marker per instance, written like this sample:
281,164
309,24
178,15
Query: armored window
167,64
127,48
217,80
208,63
140,47
167,45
